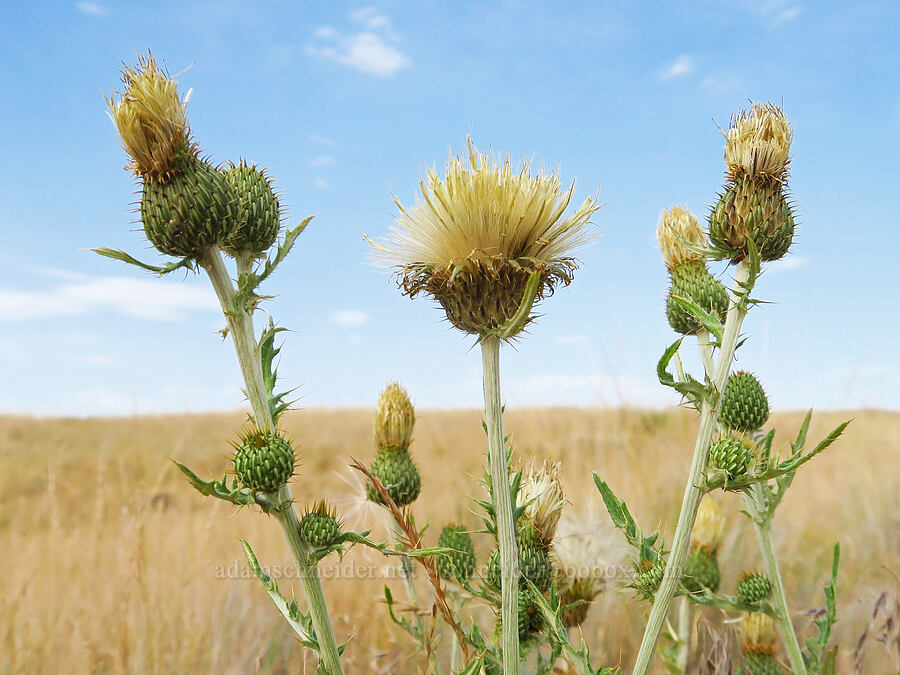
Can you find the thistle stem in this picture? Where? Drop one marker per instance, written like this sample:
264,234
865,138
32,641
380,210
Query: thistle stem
240,326
693,491
763,522
685,628
503,507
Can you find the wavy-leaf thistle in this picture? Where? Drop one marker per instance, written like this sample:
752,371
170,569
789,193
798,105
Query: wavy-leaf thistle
543,498
395,417
758,143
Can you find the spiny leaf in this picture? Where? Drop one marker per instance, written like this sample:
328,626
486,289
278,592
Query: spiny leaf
115,254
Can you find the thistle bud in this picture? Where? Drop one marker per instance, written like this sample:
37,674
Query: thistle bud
543,498
708,527
396,470
753,588
534,562
758,143
648,577
731,454
691,280
319,527
678,227
755,663
461,563
260,209
701,571
745,406
394,417
263,460
759,640
531,619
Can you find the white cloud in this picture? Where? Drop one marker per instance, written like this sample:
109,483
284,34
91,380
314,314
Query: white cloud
788,264
681,66
320,183
96,360
156,300
350,318
370,51
788,14
322,160
91,8
319,139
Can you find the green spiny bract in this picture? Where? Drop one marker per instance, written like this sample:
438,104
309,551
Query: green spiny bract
753,587
647,580
263,460
319,527
191,210
531,620
731,454
701,570
745,406
260,210
396,470
752,208
691,280
760,663
461,563
534,562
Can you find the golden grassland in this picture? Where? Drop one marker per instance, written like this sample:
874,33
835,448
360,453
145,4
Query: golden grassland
114,565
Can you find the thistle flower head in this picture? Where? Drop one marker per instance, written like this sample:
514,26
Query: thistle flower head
758,632
152,120
542,495
758,143
394,417
676,226
478,232
709,526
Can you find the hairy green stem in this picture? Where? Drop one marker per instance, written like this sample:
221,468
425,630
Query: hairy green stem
240,327
685,628
693,492
503,507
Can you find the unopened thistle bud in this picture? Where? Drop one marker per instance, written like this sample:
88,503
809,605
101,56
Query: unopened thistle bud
676,229
396,470
319,527
460,564
753,587
543,498
732,454
701,567
648,576
478,234
754,206
263,460
759,640
187,206
708,527
394,417
745,406
531,619
261,212
534,562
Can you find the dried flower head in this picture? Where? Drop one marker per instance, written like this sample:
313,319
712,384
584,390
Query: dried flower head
394,417
677,226
542,495
709,526
480,231
758,143
152,120
587,547
758,631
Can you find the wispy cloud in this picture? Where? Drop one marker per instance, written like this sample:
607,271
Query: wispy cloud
322,160
372,51
320,182
319,139
788,264
91,8
350,318
680,67
142,298
775,12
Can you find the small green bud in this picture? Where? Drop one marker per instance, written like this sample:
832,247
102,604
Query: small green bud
531,620
745,406
263,460
753,587
691,280
260,210
395,468
534,562
760,663
460,564
319,527
647,580
731,454
700,571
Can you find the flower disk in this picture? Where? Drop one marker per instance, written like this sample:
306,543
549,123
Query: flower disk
758,143
543,498
479,232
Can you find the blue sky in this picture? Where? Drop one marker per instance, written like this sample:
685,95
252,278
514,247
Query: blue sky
347,103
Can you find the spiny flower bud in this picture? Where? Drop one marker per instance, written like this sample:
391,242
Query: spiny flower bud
534,562
756,663
319,527
678,226
461,563
263,460
758,633
260,210
708,527
543,498
691,280
648,578
753,587
396,470
758,143
394,417
701,570
745,406
731,454
531,620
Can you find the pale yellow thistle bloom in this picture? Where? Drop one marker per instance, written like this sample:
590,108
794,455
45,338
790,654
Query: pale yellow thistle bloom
394,417
678,226
542,495
758,632
151,119
709,526
758,143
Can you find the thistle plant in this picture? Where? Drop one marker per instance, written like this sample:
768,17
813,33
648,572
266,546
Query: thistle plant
488,240
751,223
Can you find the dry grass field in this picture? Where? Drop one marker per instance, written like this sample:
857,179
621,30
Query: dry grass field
114,565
